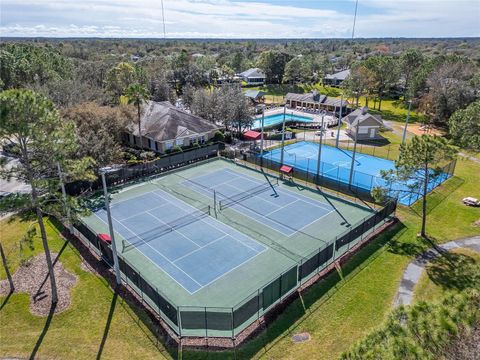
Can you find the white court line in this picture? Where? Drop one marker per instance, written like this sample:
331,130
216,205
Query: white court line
175,230
137,214
214,222
115,203
236,267
281,207
313,202
257,216
199,248
153,262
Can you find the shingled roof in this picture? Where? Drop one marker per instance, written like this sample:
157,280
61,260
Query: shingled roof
162,121
315,98
360,115
253,73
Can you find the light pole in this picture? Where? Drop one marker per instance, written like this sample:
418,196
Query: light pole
406,121
319,162
116,267
353,158
283,134
261,138
339,121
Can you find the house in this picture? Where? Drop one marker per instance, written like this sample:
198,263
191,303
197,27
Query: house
316,101
368,125
337,78
253,76
163,126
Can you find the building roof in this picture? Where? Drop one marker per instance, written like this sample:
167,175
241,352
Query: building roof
316,98
361,115
252,135
162,121
341,75
254,94
253,72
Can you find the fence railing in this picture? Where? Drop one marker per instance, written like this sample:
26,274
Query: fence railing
337,178
230,321
131,172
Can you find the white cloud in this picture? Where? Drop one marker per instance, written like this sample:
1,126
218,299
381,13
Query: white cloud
236,19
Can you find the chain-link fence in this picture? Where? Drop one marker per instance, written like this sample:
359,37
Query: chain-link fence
230,321
341,179
140,171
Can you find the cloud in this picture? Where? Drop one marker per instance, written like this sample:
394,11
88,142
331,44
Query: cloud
238,19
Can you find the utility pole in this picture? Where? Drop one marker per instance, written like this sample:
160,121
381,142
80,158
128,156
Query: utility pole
406,122
116,267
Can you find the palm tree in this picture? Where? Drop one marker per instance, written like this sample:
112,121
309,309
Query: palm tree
136,95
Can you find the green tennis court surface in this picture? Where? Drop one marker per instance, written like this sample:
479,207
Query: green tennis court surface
202,254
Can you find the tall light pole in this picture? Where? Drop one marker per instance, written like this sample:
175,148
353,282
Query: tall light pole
354,19
116,267
406,122
261,131
339,121
319,161
283,134
353,158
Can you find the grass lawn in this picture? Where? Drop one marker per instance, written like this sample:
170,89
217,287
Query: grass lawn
453,274
337,311
77,332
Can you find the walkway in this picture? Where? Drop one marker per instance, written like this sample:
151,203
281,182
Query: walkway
414,270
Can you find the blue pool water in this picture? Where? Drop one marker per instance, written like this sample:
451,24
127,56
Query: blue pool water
272,120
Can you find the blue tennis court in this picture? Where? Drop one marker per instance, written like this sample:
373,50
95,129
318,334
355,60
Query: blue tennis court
336,164
261,200
185,242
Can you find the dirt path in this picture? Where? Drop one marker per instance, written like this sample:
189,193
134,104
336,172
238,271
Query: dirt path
414,270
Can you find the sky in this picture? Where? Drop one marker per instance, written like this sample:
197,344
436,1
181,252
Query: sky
239,19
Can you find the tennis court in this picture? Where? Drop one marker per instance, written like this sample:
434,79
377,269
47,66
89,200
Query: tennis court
216,266
262,201
186,243
336,164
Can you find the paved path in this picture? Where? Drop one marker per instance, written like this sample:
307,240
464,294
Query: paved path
471,158
414,270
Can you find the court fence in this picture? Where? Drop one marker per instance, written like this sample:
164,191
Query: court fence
124,174
229,322
337,178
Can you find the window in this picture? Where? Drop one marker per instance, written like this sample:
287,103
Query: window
149,143
179,142
202,139
168,145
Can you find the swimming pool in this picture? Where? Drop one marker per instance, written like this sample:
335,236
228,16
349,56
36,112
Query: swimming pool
272,120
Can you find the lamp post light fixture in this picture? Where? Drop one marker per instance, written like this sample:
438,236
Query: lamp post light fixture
322,131
406,122
116,266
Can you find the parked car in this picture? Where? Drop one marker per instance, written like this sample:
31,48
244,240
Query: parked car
471,201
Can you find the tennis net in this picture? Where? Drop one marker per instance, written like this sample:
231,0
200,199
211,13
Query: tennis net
230,201
161,230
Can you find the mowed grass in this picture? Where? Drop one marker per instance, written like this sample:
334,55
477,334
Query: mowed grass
76,333
337,311
459,270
